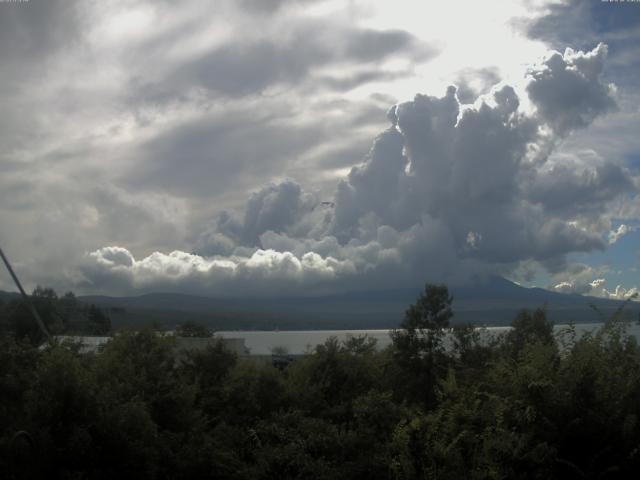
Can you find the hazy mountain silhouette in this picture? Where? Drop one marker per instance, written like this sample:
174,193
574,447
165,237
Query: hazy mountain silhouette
492,301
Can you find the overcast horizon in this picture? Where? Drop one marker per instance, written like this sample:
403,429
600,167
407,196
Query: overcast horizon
313,147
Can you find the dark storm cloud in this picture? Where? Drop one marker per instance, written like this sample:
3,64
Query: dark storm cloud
445,193
274,207
566,90
581,23
571,190
251,65
464,168
567,23
373,186
575,22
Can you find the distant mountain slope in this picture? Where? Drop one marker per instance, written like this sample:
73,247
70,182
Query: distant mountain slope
497,300
8,296
493,301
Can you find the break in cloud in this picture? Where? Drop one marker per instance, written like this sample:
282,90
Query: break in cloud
448,191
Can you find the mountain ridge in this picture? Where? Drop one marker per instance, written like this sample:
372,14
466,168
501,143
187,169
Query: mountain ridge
494,301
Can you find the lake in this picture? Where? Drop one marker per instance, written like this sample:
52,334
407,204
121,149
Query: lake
302,341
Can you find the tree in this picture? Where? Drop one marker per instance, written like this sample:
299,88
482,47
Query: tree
432,310
71,311
530,328
4,319
418,350
45,301
208,370
99,322
190,328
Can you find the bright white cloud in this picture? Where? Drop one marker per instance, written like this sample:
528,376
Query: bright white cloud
594,288
623,229
621,293
262,272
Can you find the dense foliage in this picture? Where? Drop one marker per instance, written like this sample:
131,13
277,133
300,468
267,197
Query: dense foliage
61,315
190,328
527,404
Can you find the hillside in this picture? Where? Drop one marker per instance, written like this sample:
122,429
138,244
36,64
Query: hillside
492,302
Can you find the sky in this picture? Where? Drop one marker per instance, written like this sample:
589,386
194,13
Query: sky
302,147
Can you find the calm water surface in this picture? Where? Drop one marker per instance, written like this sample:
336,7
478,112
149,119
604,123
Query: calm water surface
296,342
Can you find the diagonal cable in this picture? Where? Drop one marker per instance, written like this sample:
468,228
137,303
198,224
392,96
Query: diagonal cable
26,298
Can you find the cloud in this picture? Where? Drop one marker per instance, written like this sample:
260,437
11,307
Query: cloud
614,235
473,82
446,192
40,32
440,161
374,45
565,287
566,90
37,29
571,190
345,83
275,208
270,7
284,265
223,150
116,257
592,288
144,126
621,293
263,272
579,279
580,24
595,288
260,61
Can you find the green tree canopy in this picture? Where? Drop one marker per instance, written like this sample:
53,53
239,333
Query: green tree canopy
189,328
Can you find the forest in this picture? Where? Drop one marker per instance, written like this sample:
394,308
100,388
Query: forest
438,403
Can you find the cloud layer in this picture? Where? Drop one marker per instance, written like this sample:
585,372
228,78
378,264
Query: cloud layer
141,127
449,191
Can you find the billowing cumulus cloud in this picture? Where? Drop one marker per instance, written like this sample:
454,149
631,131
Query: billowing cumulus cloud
277,207
262,272
447,192
566,90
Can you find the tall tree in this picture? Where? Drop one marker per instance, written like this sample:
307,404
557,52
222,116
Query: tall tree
418,345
